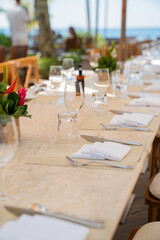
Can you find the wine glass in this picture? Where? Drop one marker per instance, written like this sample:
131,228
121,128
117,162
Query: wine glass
73,95
8,145
55,76
68,67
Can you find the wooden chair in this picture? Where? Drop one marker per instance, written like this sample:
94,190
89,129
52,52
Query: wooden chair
73,44
18,52
152,201
149,231
31,64
2,53
88,42
155,156
132,233
92,51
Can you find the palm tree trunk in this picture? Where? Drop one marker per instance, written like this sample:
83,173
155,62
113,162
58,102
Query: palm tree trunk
88,18
45,34
123,31
97,16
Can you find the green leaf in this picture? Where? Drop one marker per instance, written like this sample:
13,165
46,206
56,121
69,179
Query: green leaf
4,75
2,112
2,87
8,106
20,110
15,98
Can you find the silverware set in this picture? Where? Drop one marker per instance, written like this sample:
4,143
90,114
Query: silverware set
73,162
102,139
119,111
125,126
43,211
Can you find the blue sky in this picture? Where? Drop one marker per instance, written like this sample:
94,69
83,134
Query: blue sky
140,13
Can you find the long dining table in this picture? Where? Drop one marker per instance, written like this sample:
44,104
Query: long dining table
92,192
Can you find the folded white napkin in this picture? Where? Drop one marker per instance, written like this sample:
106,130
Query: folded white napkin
131,119
152,87
106,150
146,101
42,228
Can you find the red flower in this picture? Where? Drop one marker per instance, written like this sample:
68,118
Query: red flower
22,95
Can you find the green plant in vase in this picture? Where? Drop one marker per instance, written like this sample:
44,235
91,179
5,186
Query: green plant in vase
12,103
110,60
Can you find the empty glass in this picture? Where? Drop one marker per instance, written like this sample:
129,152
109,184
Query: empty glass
68,68
73,95
55,76
8,145
120,80
101,84
67,127
102,81
93,59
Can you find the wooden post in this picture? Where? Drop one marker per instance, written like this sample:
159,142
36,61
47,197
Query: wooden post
105,17
88,18
96,28
123,31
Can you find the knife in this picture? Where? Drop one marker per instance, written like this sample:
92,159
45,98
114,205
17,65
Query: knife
19,211
124,111
102,139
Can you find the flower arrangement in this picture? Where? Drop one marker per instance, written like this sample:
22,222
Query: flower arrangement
109,61
12,103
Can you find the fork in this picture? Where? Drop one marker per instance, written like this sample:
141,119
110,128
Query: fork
96,161
129,127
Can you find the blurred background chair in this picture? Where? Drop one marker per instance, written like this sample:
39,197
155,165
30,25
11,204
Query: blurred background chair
152,197
32,70
18,52
73,44
2,53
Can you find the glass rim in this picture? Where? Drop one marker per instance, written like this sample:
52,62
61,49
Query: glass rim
103,69
56,66
67,114
64,59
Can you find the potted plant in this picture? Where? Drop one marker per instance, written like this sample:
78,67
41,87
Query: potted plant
110,60
12,103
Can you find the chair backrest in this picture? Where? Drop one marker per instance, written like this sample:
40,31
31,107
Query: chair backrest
18,52
73,43
2,53
92,51
31,64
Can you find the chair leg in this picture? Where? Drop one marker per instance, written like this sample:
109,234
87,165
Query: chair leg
152,213
155,157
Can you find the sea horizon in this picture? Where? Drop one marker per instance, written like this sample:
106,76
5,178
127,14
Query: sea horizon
139,33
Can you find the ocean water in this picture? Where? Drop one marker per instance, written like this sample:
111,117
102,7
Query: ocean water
139,33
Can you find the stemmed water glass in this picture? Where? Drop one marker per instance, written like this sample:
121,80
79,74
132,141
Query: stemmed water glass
73,95
8,146
68,67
